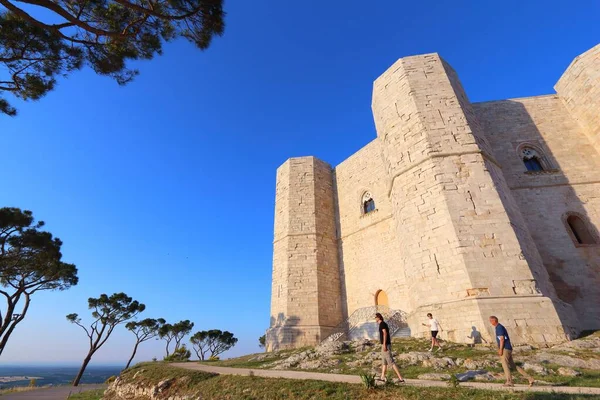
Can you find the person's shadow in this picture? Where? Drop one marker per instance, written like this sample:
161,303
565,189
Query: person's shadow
476,336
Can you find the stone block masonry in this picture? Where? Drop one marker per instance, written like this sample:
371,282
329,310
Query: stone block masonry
463,210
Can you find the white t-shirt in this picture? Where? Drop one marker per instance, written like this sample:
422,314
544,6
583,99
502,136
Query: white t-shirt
434,325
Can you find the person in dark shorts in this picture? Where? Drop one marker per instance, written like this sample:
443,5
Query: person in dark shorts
505,353
434,328
386,349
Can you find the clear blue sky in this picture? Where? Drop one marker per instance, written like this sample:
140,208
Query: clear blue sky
164,189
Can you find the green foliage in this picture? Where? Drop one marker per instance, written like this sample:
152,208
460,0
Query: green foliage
213,358
368,380
262,341
30,261
453,381
177,332
88,395
143,330
105,35
32,383
110,380
108,312
214,341
180,354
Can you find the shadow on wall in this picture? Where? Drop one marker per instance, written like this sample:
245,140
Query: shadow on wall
476,337
339,241
281,333
553,213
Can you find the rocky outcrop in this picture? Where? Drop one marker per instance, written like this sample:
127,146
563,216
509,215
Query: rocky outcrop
568,372
565,361
130,387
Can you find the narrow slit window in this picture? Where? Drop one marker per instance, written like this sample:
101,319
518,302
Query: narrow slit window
580,230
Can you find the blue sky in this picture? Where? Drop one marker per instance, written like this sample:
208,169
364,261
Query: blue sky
164,188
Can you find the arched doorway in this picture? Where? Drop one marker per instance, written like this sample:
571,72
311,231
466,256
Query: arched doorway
381,299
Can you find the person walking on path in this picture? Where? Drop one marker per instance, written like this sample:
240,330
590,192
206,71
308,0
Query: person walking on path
505,352
434,328
386,349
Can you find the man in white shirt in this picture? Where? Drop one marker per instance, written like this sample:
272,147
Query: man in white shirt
434,327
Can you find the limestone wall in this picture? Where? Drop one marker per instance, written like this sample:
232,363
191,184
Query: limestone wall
305,299
579,89
545,198
457,221
370,256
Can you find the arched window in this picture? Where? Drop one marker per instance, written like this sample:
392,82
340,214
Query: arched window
532,159
368,204
580,230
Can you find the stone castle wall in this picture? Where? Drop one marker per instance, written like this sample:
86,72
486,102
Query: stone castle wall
545,198
368,246
460,228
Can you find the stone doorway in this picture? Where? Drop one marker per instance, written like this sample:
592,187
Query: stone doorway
381,299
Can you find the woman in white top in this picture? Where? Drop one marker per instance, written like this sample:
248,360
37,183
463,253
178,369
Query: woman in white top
434,327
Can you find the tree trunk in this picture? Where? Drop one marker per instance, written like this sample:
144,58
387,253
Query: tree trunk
10,324
168,343
133,355
86,361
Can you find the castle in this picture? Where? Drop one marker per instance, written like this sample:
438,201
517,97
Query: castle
460,209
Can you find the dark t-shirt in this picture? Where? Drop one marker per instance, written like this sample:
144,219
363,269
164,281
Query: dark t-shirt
500,332
382,326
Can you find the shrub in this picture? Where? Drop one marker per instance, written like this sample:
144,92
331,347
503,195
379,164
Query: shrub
213,358
368,380
453,381
110,380
181,354
32,383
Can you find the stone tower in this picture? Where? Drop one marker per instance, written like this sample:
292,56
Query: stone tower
469,253
579,88
306,300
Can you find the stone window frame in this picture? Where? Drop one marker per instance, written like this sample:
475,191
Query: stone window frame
366,196
547,164
588,224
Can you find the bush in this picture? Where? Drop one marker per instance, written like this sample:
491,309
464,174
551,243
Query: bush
181,354
213,358
368,380
32,383
110,380
453,381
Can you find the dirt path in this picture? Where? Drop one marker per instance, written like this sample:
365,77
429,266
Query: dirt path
270,373
55,393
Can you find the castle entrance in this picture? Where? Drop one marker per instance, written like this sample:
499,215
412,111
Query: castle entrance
381,299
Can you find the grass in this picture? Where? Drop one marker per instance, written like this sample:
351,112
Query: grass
18,389
589,378
89,395
220,387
